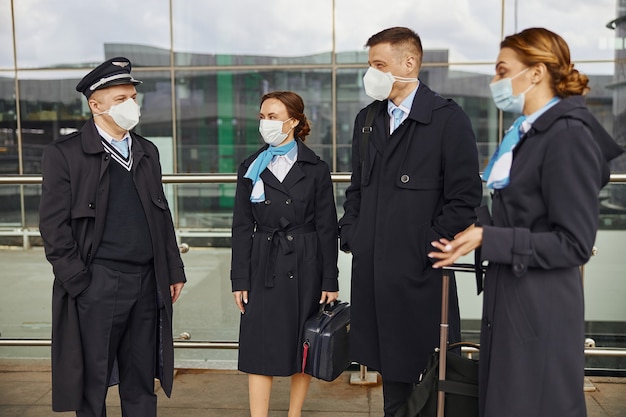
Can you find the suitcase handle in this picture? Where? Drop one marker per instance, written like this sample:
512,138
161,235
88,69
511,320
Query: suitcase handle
323,308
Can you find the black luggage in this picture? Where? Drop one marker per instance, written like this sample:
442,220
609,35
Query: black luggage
326,339
449,385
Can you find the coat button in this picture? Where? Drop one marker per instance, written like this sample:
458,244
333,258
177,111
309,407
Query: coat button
267,202
159,199
92,206
289,238
405,178
269,238
518,268
106,157
288,201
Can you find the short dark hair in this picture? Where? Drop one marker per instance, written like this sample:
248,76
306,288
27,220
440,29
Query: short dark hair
398,36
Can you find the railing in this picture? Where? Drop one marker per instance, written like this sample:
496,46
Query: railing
207,178
180,342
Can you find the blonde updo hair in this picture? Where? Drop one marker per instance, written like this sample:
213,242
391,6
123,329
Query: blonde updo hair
295,108
541,46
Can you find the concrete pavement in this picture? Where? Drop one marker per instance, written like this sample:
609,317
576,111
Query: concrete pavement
25,391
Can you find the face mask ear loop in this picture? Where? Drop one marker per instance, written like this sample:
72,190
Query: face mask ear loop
405,79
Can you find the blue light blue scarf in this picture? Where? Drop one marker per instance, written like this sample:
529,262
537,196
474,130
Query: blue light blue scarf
259,164
497,172
499,167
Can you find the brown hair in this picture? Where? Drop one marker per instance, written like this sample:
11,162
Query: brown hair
401,38
541,46
295,108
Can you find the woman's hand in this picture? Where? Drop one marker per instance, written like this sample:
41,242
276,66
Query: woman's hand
328,297
463,243
241,298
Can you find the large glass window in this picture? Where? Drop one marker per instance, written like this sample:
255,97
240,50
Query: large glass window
50,107
468,30
218,114
244,32
9,157
76,32
6,35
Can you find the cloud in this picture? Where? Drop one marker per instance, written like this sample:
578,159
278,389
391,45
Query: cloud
73,32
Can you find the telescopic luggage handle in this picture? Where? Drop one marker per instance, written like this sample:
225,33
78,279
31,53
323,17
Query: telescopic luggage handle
443,327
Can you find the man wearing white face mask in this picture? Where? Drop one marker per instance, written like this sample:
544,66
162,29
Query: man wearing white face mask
108,233
414,181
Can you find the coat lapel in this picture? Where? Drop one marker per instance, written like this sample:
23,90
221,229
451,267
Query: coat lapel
421,113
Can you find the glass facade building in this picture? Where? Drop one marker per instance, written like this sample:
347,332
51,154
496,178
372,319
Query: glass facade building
206,64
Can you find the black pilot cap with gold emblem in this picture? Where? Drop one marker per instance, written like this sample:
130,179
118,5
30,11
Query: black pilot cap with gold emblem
115,71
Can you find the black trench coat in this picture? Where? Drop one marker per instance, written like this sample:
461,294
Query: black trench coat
284,252
72,213
544,227
417,185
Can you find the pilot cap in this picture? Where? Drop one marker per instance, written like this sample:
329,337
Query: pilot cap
115,71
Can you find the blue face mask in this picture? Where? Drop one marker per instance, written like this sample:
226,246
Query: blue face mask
502,93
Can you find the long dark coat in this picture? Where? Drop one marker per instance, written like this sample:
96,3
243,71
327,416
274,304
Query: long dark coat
72,214
544,228
284,252
417,185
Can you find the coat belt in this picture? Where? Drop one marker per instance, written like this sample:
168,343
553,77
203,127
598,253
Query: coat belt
281,237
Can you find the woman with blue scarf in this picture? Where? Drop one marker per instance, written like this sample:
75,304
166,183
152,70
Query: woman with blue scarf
284,250
545,178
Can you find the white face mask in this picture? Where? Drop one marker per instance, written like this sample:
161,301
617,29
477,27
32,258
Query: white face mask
125,115
378,84
502,93
272,131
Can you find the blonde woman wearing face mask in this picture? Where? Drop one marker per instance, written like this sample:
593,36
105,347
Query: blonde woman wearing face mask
284,250
545,177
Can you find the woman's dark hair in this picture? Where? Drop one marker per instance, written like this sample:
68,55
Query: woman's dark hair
295,108
541,46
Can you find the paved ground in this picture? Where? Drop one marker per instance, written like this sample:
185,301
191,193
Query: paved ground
25,392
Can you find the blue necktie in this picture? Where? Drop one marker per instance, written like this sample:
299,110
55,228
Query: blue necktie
397,114
122,146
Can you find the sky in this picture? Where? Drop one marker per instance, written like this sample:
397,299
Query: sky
72,32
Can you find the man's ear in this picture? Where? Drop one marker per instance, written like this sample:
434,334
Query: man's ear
412,64
94,105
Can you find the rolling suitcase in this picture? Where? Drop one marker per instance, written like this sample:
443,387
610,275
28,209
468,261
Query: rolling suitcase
326,338
448,377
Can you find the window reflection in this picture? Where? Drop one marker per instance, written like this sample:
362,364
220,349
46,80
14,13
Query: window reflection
218,113
6,47
240,32
470,30
74,33
9,163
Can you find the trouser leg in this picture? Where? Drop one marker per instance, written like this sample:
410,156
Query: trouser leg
137,353
394,395
99,315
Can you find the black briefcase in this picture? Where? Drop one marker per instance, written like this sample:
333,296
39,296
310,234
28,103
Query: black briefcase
326,338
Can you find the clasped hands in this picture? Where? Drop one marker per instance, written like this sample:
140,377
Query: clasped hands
450,250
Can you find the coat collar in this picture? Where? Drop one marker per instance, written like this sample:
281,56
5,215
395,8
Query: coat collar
425,103
295,174
574,108
92,141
